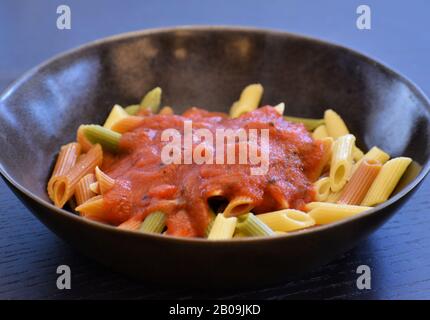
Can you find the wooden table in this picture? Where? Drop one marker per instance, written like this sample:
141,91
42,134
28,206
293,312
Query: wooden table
398,253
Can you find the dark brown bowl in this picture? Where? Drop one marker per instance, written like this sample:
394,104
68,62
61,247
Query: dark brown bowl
207,67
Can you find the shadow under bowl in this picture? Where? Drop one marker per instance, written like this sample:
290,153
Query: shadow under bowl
207,67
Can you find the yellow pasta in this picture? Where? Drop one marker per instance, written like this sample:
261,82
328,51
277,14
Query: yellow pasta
248,101
333,197
280,108
166,111
64,185
325,213
386,181
238,206
320,132
322,189
115,115
223,228
336,127
126,124
341,162
286,220
67,158
356,188
105,182
374,154
92,209
357,154
83,191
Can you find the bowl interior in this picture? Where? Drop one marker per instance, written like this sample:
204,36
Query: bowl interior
205,67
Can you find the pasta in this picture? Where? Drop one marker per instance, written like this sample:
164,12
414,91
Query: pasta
341,162
223,228
386,181
325,213
65,161
83,191
64,185
311,171
287,220
356,189
248,101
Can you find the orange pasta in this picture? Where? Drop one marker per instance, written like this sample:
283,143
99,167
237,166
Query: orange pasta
127,124
356,189
64,185
166,111
66,160
131,224
93,209
238,206
83,191
82,140
105,182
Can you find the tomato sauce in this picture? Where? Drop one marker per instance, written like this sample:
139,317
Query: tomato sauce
145,184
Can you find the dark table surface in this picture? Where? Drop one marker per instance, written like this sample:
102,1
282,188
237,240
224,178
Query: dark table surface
398,254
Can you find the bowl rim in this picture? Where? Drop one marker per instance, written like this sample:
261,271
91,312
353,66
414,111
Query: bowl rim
205,28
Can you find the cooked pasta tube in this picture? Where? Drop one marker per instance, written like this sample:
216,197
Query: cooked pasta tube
64,185
325,213
357,154
251,226
107,138
320,132
341,162
309,123
105,182
238,206
66,159
327,149
333,197
386,181
335,125
82,139
286,220
166,111
132,109
115,115
92,208
360,182
83,191
152,100
154,223
322,189
374,154
280,108
133,223
248,101
223,228
126,124
95,187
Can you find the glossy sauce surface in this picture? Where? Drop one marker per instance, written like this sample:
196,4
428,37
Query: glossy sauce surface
145,184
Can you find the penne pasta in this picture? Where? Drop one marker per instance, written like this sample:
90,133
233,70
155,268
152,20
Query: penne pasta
287,220
335,126
341,162
83,191
357,154
374,154
386,181
154,223
105,182
356,188
325,213
320,132
309,123
223,228
166,111
94,187
248,101
238,206
152,100
82,139
322,189
132,109
280,108
64,185
249,225
333,197
126,124
327,149
115,115
66,159
133,223
92,209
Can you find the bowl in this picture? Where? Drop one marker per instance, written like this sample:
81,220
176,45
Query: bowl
207,67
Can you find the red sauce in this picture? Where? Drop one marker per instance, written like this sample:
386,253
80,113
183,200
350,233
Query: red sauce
144,184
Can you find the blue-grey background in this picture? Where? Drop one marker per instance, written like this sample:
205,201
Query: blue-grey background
398,253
